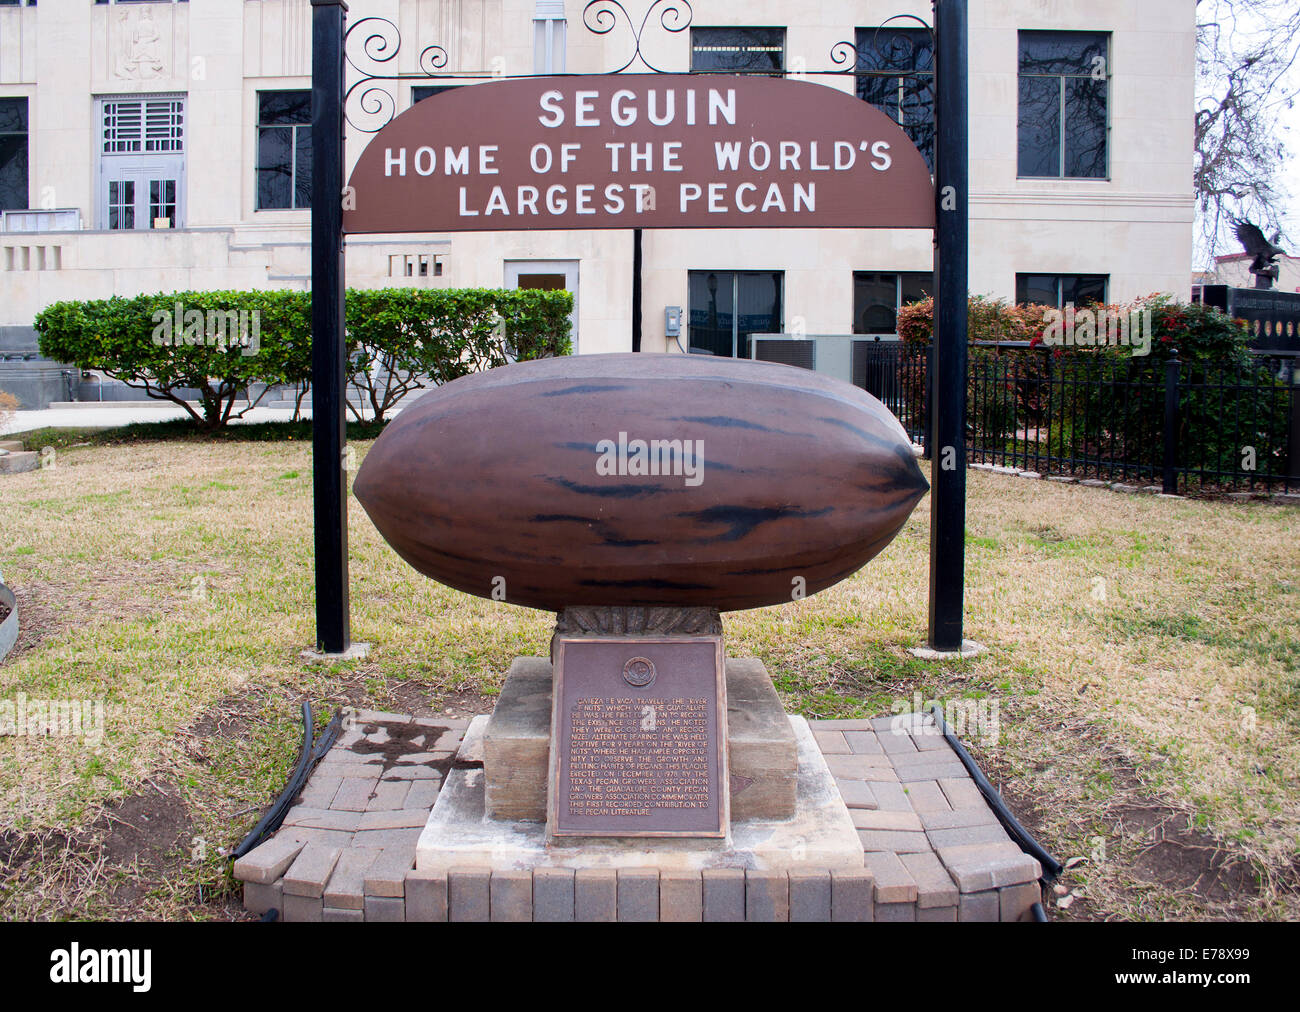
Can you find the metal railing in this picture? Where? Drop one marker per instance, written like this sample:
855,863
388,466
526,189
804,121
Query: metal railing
1190,427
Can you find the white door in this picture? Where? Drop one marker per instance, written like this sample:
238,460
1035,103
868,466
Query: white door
140,193
551,275
141,162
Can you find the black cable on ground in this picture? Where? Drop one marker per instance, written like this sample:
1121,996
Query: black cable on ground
1051,867
327,738
311,754
1039,913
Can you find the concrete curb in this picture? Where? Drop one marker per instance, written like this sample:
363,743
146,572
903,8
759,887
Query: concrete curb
9,627
1281,498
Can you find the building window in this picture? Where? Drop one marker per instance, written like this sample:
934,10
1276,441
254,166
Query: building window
895,73
141,162
548,37
283,149
738,51
1060,290
143,126
1064,95
13,154
726,307
877,298
422,91
162,203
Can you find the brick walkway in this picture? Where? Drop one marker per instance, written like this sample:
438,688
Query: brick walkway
934,847
934,850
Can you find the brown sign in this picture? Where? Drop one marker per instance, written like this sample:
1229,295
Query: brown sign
639,151
640,727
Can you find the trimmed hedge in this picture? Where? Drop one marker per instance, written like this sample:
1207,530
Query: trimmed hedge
411,336
398,340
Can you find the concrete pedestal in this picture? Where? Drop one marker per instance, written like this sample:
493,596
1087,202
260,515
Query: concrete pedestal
517,744
821,834
762,754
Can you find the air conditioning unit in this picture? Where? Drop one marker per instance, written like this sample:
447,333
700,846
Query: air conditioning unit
796,351
58,219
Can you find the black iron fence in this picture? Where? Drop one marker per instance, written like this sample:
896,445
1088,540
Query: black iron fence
1189,427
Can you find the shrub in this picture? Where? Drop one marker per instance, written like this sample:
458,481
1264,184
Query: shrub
1227,398
397,340
411,337
1102,401
986,320
168,344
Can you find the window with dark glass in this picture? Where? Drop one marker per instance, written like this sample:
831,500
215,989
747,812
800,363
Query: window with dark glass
283,149
13,154
725,307
1064,94
895,73
878,296
121,203
738,51
1060,290
420,92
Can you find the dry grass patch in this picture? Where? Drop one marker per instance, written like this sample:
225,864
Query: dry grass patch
1143,657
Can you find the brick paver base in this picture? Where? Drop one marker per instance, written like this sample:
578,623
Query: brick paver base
934,851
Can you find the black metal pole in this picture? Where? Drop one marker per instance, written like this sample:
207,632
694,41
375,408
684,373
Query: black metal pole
636,289
1292,480
328,376
1169,468
948,377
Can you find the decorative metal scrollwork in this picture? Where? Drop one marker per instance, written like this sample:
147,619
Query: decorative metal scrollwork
844,54
371,45
368,46
600,17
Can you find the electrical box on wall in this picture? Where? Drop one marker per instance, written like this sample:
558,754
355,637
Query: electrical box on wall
672,321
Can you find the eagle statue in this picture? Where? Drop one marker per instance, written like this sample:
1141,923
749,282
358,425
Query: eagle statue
1264,266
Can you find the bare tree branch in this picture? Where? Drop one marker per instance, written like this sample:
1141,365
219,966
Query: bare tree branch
1248,77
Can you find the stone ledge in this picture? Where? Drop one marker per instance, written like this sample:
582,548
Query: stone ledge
821,834
19,462
1280,498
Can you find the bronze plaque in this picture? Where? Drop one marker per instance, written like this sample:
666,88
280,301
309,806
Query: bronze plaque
640,730
639,151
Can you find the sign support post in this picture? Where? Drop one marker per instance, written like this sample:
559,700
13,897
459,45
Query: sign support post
948,377
636,289
508,129
328,375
